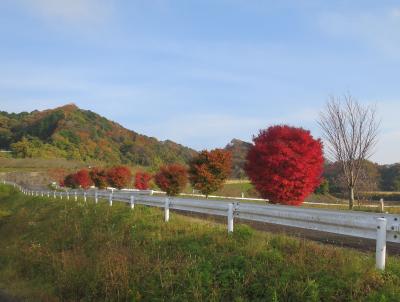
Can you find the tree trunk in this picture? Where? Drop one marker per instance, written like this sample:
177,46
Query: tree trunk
351,198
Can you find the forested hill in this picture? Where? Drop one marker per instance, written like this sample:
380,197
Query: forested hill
73,133
239,151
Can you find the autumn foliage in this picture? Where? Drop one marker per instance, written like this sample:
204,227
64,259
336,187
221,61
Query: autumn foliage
119,176
172,179
69,181
79,179
142,180
209,170
285,164
99,177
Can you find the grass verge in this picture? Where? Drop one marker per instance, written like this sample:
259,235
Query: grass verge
70,251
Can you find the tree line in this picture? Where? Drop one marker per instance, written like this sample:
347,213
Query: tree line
206,172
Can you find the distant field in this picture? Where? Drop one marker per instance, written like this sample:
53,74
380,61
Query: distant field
68,251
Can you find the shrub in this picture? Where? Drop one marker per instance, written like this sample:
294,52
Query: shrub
172,179
83,179
119,177
209,170
323,188
142,180
99,177
285,164
79,179
70,182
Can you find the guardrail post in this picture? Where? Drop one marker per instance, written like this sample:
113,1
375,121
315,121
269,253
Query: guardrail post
381,206
110,199
76,196
67,195
166,210
54,194
48,194
230,218
132,203
84,196
96,197
381,243
60,195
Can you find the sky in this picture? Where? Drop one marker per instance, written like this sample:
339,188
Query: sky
201,72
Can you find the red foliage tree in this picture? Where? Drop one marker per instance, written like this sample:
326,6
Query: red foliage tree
119,177
82,178
172,179
209,170
285,164
70,181
142,180
99,177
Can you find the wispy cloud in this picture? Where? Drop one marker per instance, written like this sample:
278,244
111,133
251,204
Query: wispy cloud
378,29
70,11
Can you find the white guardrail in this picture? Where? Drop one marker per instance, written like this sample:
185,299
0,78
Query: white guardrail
377,226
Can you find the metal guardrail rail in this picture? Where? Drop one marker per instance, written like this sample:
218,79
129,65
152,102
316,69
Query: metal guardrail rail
378,226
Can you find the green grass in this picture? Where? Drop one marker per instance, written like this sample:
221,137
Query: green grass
59,250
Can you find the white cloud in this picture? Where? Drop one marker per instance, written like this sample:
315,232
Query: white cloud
396,12
378,29
70,11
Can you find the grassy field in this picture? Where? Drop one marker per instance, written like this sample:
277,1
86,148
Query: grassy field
71,251
37,164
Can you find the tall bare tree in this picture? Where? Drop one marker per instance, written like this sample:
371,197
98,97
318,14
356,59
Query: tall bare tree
350,131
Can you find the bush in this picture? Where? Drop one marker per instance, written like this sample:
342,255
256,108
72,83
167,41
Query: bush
99,177
209,170
172,179
323,188
119,177
79,179
142,180
69,182
83,179
285,164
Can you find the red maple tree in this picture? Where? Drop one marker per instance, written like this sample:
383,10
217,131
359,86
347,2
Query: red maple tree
119,176
99,177
172,179
285,164
82,178
209,170
142,180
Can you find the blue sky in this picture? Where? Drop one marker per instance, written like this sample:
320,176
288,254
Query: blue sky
203,72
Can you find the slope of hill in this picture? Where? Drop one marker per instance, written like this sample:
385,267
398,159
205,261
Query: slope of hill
72,133
239,151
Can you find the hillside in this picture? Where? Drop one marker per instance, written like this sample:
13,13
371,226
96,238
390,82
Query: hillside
72,133
239,151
